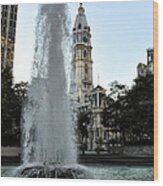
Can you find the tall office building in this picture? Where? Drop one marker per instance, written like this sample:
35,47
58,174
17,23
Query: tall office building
8,32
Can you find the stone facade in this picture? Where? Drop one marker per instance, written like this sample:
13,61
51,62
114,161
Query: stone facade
145,69
96,130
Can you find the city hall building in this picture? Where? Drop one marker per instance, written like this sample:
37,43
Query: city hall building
90,99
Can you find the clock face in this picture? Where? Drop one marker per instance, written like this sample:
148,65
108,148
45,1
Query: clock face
85,39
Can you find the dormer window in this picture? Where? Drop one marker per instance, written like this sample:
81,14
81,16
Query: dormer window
79,26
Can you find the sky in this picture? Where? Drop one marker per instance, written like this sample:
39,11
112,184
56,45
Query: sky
121,33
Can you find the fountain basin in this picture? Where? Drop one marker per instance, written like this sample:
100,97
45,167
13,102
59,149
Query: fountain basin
54,171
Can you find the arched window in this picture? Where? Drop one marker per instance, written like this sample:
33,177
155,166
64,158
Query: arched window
79,26
85,53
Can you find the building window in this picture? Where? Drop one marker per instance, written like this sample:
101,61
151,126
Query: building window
85,97
98,132
11,16
12,7
85,53
79,26
86,69
105,135
15,16
14,24
11,23
149,58
16,7
4,14
4,22
5,6
4,31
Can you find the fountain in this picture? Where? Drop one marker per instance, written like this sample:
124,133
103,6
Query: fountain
49,149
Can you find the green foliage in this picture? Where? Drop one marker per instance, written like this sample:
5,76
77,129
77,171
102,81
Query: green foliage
117,90
82,130
12,97
83,121
132,110
141,100
7,100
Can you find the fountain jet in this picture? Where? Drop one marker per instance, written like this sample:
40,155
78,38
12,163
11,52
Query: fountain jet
48,137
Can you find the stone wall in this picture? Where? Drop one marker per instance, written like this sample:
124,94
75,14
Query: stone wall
10,151
147,150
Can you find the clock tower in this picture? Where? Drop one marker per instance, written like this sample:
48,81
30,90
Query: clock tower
82,59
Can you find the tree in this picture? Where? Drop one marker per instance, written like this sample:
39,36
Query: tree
116,102
7,99
117,90
20,93
142,99
83,122
12,98
137,112
132,110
